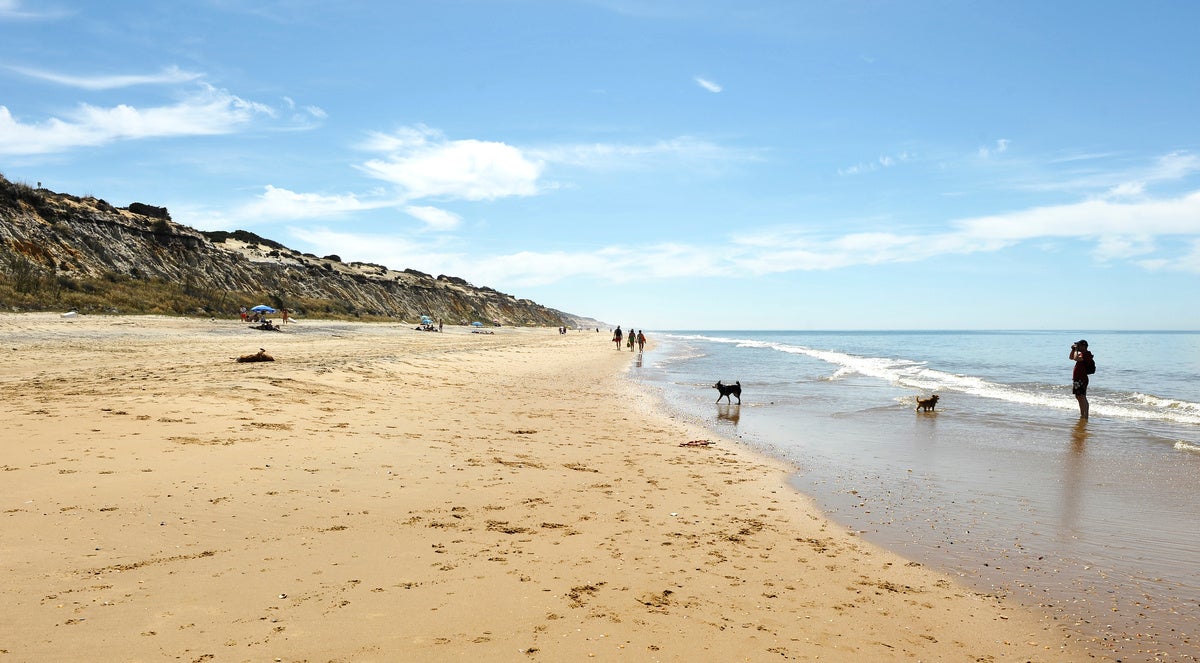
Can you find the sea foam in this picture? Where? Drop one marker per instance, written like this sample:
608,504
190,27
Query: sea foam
917,375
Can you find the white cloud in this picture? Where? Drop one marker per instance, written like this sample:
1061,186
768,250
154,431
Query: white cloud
788,251
1127,189
14,9
708,85
424,164
276,203
615,264
168,75
683,149
1124,181
1188,261
1122,247
883,161
403,139
394,252
1174,166
302,119
207,112
433,217
1092,219
1119,232
1000,147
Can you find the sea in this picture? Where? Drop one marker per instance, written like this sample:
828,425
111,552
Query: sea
1003,485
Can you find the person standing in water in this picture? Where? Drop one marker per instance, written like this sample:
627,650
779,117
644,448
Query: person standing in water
1085,364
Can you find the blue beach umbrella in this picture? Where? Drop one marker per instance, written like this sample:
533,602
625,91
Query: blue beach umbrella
263,308
476,324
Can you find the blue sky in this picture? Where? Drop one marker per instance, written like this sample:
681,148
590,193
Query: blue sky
661,164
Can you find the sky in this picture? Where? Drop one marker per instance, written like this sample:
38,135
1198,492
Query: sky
658,164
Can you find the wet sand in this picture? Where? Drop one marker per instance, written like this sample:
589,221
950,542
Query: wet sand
1056,515
1087,520
379,493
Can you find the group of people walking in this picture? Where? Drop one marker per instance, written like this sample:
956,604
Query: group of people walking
637,339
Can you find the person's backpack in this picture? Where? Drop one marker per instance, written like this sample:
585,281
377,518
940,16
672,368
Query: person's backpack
1090,366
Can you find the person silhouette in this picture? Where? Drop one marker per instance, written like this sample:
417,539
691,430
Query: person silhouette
1084,365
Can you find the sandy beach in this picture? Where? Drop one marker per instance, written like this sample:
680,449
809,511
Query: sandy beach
383,494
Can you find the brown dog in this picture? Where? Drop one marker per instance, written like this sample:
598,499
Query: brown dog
927,404
261,355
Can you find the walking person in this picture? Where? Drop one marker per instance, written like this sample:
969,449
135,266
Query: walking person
632,340
617,337
641,340
1085,365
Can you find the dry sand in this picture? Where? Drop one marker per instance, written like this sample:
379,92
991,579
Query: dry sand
382,494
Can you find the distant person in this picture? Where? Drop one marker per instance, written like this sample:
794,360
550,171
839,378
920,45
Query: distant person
439,326
1085,365
617,335
632,340
284,312
641,341
243,312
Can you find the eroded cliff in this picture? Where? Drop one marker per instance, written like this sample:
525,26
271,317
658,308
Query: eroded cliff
63,251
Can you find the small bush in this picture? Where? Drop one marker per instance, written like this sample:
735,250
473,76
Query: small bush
150,211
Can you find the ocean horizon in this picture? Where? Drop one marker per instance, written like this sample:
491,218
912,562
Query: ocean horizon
1003,485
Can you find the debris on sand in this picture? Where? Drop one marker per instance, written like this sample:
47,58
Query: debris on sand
696,443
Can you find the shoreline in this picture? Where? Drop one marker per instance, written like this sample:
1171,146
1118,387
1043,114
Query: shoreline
380,494
1054,515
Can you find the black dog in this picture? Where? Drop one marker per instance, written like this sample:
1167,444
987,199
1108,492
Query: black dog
727,389
927,404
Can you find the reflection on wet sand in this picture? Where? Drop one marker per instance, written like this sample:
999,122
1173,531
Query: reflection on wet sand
1073,471
730,413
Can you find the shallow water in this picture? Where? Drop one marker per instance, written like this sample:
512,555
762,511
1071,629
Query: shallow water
1003,485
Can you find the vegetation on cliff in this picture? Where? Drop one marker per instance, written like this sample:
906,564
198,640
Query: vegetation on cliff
60,252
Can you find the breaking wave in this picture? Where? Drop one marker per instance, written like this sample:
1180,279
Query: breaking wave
920,376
